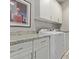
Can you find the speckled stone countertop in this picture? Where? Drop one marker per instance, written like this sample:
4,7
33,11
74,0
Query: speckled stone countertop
16,39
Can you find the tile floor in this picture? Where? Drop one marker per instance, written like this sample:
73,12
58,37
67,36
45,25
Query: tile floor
66,56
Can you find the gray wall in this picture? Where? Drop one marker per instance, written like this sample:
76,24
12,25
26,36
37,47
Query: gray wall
65,9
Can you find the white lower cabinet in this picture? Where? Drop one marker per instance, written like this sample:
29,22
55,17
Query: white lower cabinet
36,49
41,49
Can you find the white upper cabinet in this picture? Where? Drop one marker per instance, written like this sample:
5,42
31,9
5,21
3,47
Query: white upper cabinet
49,9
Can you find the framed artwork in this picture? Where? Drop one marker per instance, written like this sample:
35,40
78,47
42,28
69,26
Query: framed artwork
20,13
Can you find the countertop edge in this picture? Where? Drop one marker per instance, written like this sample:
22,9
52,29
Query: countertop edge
29,39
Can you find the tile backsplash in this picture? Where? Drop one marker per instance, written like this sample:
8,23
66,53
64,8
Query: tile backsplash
39,24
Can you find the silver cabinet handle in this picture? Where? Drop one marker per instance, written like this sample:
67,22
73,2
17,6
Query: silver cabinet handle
35,54
31,55
43,41
16,50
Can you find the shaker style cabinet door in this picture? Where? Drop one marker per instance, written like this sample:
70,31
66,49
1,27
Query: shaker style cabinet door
45,9
42,53
56,11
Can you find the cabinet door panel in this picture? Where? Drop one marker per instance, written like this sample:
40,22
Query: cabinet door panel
56,11
59,45
45,9
42,53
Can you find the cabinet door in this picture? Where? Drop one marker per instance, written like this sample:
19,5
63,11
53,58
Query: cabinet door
45,9
42,53
22,55
56,11
59,45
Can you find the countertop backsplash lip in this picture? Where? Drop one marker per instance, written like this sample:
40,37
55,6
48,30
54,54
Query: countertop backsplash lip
17,33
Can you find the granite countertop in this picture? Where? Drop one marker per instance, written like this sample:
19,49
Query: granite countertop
16,39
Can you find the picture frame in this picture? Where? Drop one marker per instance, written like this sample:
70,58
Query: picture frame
20,13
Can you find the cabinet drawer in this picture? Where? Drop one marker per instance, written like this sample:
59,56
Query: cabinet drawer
43,41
